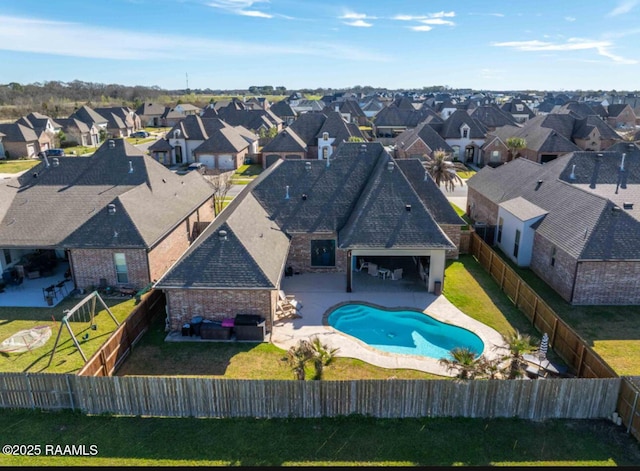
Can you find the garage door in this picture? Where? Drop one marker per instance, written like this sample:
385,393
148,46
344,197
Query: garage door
225,162
31,150
208,161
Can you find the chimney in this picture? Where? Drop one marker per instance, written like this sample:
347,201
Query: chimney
112,144
112,209
130,167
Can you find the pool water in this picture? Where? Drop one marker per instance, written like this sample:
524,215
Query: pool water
406,332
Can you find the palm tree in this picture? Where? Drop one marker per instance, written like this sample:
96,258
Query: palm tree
518,345
515,145
298,356
464,361
442,170
322,355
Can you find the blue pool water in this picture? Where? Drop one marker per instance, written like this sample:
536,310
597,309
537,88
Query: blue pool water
407,332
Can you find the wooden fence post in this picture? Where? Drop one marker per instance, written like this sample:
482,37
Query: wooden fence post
535,310
515,301
504,272
490,262
553,334
581,360
633,412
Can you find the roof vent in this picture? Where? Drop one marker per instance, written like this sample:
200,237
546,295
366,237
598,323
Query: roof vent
390,166
112,144
622,162
286,196
363,148
115,233
426,175
35,175
407,207
307,166
304,197
112,209
627,205
573,173
599,155
56,162
130,167
615,209
538,184
222,235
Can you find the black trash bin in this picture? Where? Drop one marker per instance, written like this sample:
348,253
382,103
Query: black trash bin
186,330
196,323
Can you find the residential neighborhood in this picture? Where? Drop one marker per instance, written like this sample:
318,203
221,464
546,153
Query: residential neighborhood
319,234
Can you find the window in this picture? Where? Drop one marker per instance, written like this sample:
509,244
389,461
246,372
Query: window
553,257
121,268
323,253
465,133
499,235
495,156
516,244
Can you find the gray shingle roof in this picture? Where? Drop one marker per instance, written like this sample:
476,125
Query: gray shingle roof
522,209
426,134
492,117
251,256
433,199
88,116
282,109
225,140
451,127
15,132
65,205
286,141
72,123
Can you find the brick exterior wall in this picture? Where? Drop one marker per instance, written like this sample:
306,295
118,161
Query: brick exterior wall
487,152
91,265
417,148
465,241
453,233
19,149
481,208
169,249
213,304
626,118
561,275
300,254
608,283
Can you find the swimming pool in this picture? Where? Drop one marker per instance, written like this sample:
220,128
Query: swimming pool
406,332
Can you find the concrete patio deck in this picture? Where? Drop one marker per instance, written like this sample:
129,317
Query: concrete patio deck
30,294
320,293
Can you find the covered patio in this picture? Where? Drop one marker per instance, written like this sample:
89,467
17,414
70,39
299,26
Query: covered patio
33,292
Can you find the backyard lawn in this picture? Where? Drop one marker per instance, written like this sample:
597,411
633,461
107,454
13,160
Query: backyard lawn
66,359
612,331
15,166
345,441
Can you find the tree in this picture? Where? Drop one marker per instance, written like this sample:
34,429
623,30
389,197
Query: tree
518,345
60,138
355,139
221,185
515,145
442,170
298,356
322,356
464,361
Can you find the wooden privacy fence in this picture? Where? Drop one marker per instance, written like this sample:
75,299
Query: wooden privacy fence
118,346
572,348
629,405
575,398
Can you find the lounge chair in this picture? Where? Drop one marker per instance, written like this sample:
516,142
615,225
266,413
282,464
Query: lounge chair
363,264
286,310
396,274
372,269
289,299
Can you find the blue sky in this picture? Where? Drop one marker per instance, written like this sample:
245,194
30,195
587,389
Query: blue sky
223,44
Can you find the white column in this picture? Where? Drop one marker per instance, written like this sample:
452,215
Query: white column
436,268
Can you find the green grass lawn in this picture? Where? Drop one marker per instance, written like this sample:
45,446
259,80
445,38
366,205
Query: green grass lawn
139,140
66,359
237,360
344,441
246,174
612,331
466,174
460,212
16,166
79,150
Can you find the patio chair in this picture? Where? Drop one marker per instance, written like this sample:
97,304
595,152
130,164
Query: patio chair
286,310
396,274
372,269
363,264
289,299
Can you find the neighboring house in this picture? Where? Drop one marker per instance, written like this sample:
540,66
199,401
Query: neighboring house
90,117
44,127
621,116
283,110
182,141
117,217
187,109
78,133
392,121
122,121
492,117
519,110
319,133
371,107
419,142
19,141
578,219
495,151
171,117
350,111
302,215
254,120
464,134
307,106
151,114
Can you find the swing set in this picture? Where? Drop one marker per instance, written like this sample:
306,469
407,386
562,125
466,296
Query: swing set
83,312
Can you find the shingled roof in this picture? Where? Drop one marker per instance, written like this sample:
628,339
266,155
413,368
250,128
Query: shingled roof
89,116
225,140
451,127
65,205
15,132
286,141
426,134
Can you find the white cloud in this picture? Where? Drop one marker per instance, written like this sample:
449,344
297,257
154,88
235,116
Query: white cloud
350,15
421,28
33,35
570,19
409,18
572,44
624,7
424,18
358,24
443,14
499,15
239,7
437,21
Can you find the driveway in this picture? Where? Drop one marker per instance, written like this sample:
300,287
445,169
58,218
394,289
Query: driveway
458,196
